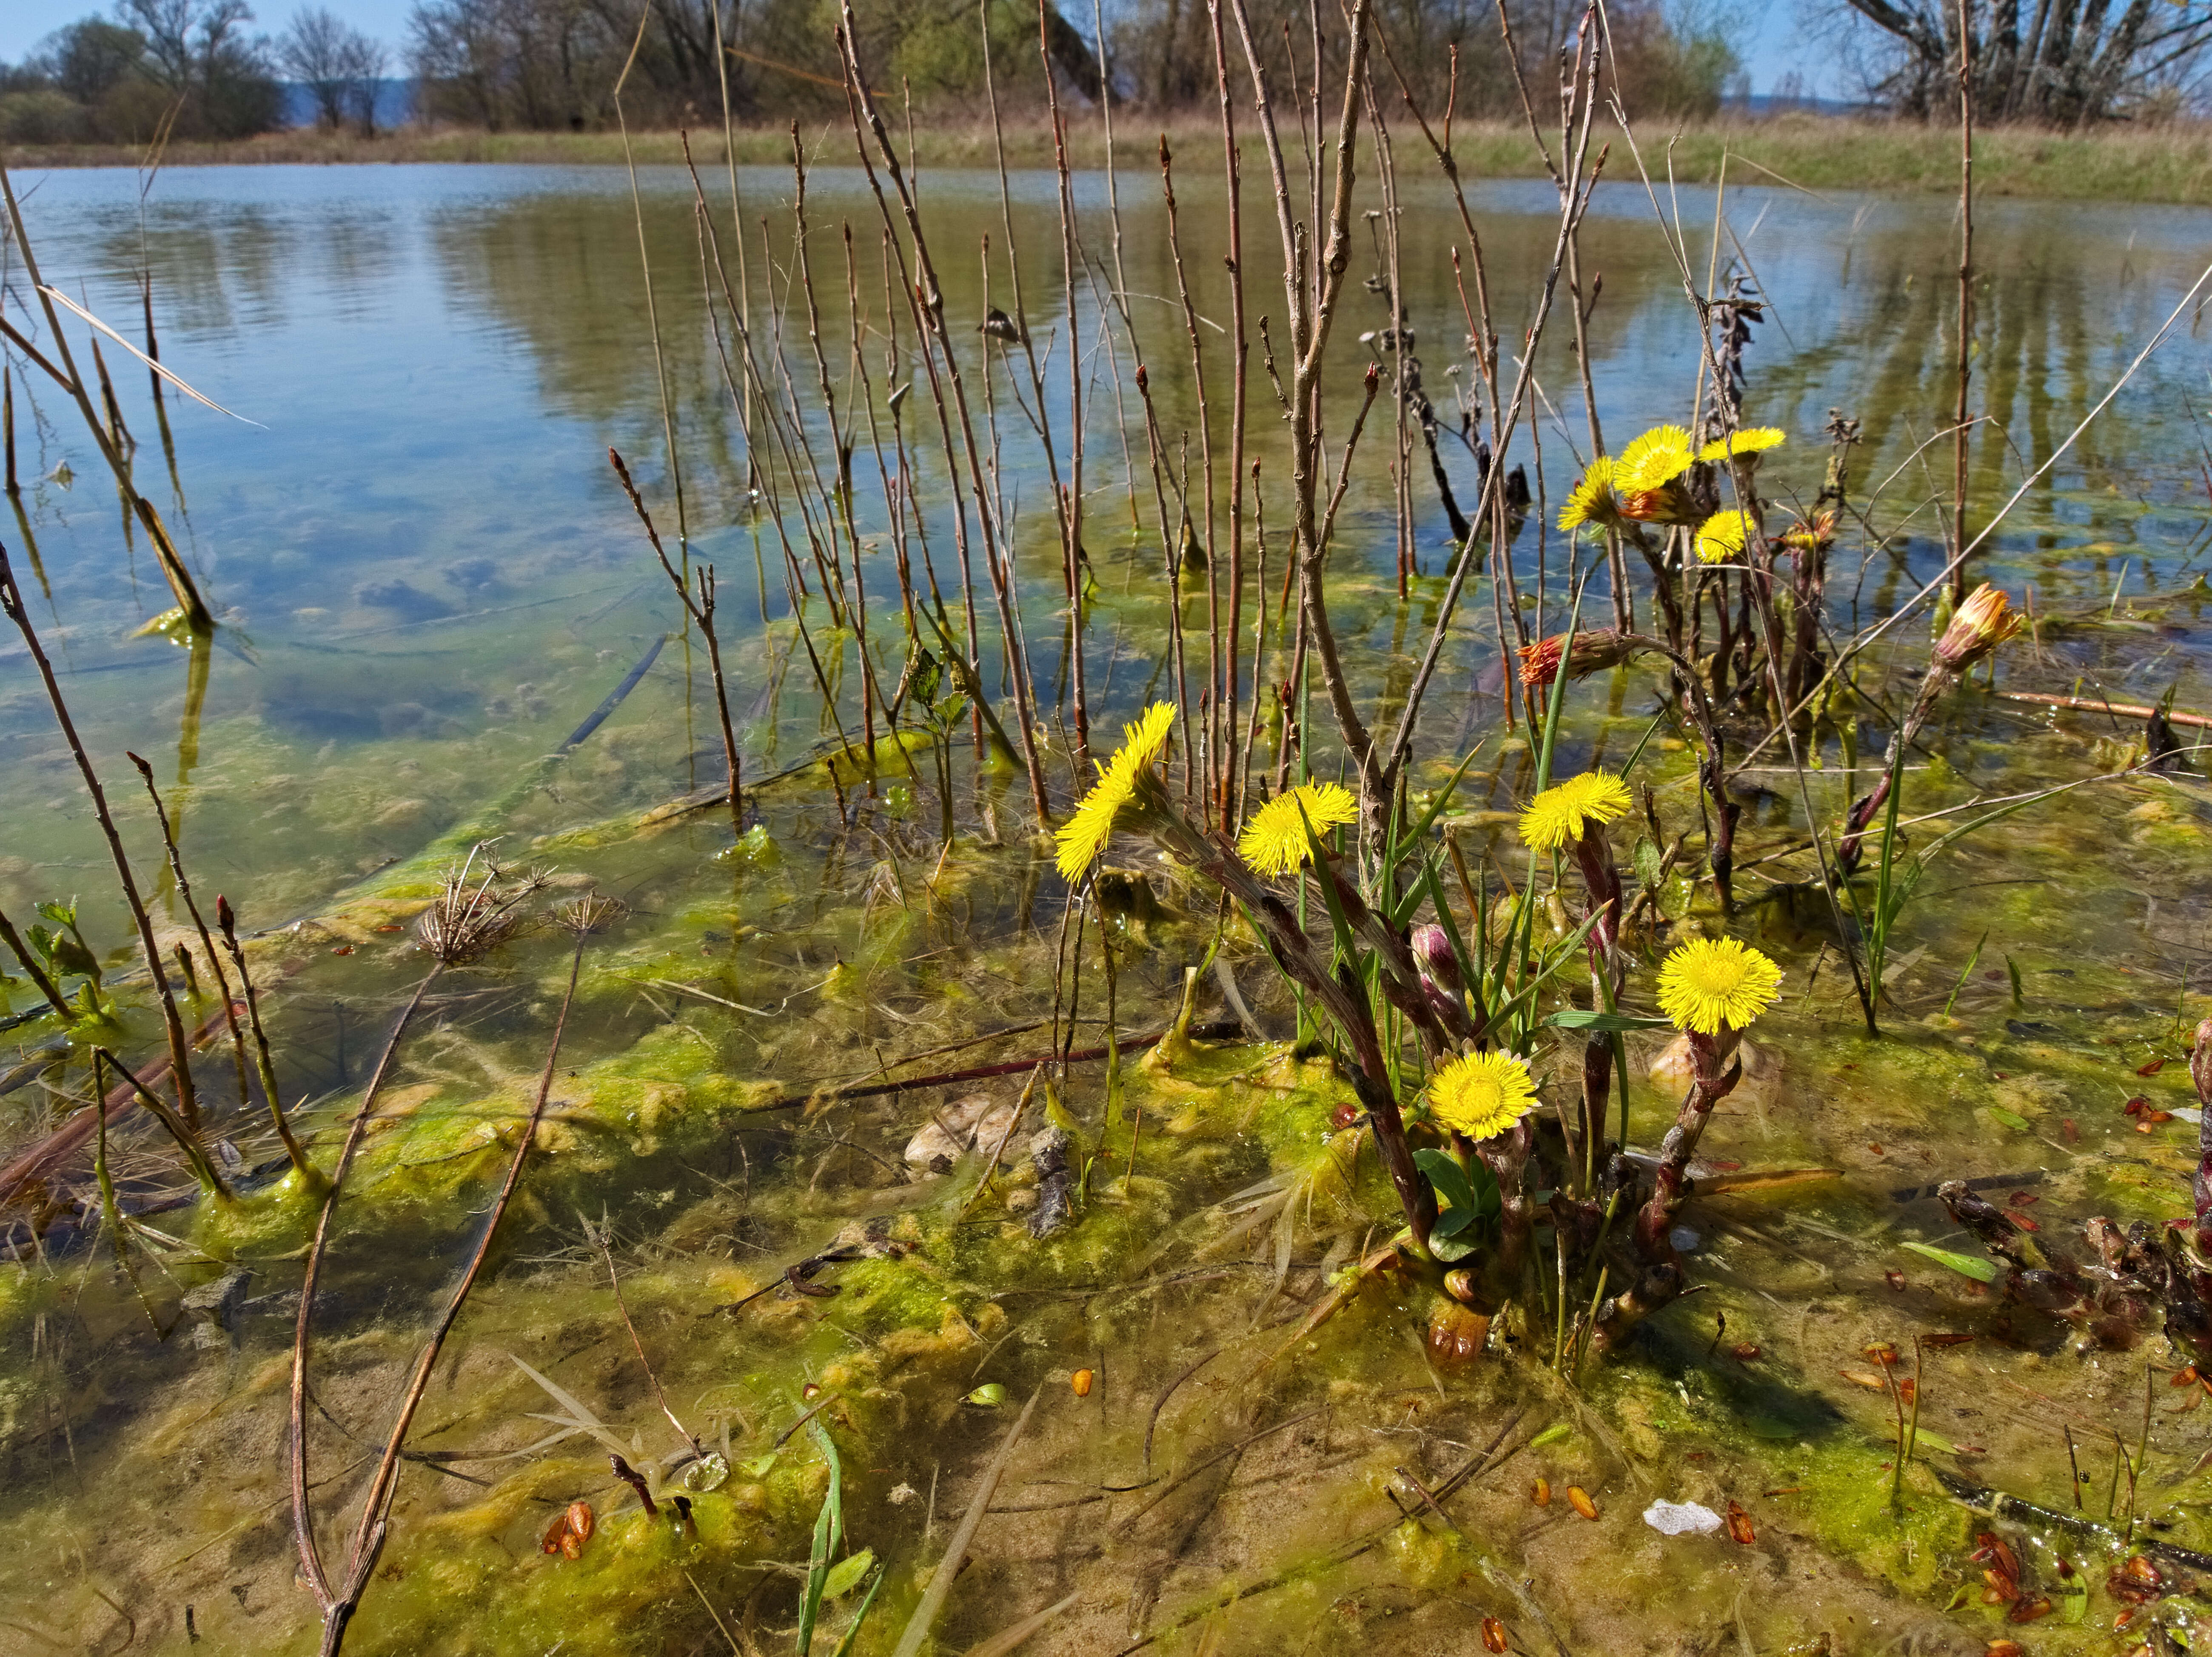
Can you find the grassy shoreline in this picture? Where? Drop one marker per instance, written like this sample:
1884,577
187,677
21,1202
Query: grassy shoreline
2169,164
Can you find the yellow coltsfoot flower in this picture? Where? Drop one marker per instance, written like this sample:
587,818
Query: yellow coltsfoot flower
1653,460
1274,839
1712,984
1593,500
1556,816
1482,1093
1747,441
1723,538
1084,835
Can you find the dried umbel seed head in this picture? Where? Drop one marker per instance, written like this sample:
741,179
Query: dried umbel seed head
479,908
1978,627
590,913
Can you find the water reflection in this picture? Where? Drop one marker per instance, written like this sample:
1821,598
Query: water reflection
438,578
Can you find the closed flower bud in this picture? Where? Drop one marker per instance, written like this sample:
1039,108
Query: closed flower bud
1432,951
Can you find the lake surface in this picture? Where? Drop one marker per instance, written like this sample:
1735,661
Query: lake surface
431,576
427,577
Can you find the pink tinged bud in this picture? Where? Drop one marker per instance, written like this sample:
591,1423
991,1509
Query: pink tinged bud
1432,953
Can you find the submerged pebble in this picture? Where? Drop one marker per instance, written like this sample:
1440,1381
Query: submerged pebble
1681,1517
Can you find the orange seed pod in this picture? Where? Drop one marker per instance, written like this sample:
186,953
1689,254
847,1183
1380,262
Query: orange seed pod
1081,1381
1582,1503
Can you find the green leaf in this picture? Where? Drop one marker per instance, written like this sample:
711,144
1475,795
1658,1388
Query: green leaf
846,1575
70,956
1998,1114
1966,1265
1448,1249
1550,1435
829,1532
1579,1018
1451,1181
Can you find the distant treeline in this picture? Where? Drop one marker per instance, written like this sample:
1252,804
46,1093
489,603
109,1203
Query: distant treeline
187,68
550,63
198,69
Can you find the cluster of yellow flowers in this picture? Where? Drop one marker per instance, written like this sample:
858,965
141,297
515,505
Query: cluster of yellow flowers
1642,484
1705,986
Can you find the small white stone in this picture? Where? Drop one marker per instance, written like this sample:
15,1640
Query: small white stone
1685,1241
1682,1519
902,1494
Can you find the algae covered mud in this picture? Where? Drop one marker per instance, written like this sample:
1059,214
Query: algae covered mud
1294,1039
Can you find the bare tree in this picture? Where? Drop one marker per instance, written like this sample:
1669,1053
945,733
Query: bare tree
2058,61
200,51
338,65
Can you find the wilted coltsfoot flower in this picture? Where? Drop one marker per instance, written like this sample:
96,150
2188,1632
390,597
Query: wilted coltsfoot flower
1814,534
1594,650
1979,627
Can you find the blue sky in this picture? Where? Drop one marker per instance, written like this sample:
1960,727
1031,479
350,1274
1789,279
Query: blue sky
24,23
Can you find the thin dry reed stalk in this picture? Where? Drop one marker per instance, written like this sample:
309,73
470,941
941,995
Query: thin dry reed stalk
699,605
583,918
12,605
65,375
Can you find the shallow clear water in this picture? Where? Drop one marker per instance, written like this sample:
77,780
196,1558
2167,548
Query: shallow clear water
429,579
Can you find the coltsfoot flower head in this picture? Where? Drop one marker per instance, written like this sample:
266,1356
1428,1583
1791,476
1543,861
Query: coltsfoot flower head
1814,534
1712,984
1979,627
1595,649
1723,538
1593,500
1660,456
1275,839
1482,1093
1750,441
1558,815
1084,835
